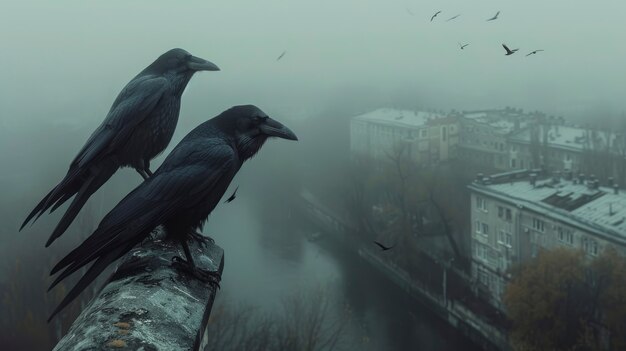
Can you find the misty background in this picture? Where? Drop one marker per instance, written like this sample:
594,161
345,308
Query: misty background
63,64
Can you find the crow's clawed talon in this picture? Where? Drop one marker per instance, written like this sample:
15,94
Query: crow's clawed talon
202,240
203,275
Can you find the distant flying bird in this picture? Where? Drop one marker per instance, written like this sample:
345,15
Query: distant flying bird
534,52
383,247
409,11
453,17
494,17
435,15
180,195
138,127
233,196
281,56
509,51
463,46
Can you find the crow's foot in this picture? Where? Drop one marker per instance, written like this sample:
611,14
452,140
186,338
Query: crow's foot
202,240
203,275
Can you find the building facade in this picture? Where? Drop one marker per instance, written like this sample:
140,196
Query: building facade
516,214
428,137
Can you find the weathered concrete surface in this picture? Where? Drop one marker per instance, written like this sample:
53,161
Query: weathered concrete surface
147,304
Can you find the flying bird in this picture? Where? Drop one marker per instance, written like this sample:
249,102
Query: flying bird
462,46
534,52
383,247
180,195
509,51
495,17
435,15
453,17
138,127
409,11
281,56
233,196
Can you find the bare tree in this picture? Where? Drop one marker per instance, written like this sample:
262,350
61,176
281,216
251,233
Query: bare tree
309,321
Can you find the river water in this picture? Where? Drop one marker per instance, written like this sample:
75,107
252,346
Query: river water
264,263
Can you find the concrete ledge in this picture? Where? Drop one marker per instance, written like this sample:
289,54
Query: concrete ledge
148,305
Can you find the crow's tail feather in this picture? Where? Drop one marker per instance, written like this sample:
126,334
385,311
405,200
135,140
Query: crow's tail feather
87,188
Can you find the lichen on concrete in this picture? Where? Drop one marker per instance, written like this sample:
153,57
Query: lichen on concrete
147,304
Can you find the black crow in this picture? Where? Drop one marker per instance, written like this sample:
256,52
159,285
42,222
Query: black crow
534,52
180,195
137,128
509,51
233,196
453,17
281,55
383,247
435,15
494,17
462,46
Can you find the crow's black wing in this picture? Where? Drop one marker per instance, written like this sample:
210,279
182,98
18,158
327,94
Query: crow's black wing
130,108
155,200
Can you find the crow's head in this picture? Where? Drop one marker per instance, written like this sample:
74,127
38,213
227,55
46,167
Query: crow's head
180,61
250,128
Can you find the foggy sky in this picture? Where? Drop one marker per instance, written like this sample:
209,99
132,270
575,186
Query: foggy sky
73,57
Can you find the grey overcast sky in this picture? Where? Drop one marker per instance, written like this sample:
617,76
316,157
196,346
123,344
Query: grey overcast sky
66,60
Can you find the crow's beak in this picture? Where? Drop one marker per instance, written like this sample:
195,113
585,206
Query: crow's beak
198,64
273,128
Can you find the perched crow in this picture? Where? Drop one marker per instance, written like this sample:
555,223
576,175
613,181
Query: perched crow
138,127
435,15
509,51
383,247
232,197
180,195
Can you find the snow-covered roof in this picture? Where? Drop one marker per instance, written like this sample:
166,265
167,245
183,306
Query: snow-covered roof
565,137
398,118
500,121
599,210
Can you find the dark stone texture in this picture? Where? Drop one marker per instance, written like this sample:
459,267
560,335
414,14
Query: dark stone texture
147,304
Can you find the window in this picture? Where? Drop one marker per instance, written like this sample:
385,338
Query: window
444,133
505,213
508,240
590,246
481,204
423,133
539,225
478,227
485,229
513,163
565,235
505,238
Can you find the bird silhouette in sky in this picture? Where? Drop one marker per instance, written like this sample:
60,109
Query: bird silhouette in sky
435,15
281,56
453,17
533,52
495,17
509,51
233,196
383,247
408,10
462,46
